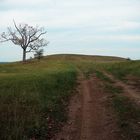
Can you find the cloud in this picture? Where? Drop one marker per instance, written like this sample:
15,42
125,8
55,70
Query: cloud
122,26
77,21
97,38
106,14
24,3
128,38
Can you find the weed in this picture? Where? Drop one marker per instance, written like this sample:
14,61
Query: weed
128,117
100,75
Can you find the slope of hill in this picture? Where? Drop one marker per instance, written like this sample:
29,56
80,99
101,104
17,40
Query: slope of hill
34,96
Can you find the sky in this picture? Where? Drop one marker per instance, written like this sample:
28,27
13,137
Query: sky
92,27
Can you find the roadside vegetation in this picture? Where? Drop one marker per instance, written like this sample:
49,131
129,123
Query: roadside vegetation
124,69
33,98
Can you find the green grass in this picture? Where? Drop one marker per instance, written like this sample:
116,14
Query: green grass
34,96
100,75
113,89
128,117
123,69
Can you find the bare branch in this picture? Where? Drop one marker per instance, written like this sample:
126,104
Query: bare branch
27,37
18,29
37,37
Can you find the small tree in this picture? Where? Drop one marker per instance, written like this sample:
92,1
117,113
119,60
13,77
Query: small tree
27,37
39,54
129,59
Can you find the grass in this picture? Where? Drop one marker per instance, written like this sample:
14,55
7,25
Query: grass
129,117
33,99
100,75
34,96
123,69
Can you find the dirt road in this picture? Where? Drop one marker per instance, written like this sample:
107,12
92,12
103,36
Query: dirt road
129,91
90,117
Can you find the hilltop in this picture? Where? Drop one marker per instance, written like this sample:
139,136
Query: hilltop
37,98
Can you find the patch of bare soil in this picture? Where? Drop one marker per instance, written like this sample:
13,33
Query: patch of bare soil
89,116
70,130
134,82
130,90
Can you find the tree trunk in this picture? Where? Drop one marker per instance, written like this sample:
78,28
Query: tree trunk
24,55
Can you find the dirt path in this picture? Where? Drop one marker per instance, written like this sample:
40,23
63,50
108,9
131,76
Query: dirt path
129,91
89,116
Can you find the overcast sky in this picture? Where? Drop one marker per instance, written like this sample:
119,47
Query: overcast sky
95,27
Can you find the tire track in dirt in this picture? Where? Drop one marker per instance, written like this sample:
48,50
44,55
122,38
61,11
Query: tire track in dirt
98,122
129,91
89,117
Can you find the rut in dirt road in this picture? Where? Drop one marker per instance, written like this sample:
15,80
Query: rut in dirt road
97,120
129,91
91,118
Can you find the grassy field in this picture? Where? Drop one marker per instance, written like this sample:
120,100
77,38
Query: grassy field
34,95
125,69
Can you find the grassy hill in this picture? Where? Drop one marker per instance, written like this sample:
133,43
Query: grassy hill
34,95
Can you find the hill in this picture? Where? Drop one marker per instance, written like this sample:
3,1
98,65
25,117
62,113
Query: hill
34,96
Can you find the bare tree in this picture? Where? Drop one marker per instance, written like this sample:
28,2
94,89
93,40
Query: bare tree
27,37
